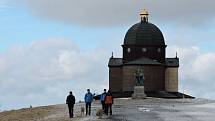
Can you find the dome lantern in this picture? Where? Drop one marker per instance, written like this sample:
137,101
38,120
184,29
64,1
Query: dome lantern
144,39
144,15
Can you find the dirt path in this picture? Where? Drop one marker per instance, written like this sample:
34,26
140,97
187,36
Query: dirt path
60,113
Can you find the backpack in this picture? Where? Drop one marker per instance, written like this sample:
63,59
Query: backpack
102,98
108,99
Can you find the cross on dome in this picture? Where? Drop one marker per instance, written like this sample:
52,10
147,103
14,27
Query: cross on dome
144,15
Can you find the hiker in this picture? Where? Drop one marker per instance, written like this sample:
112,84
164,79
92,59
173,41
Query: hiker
108,102
88,100
70,101
102,99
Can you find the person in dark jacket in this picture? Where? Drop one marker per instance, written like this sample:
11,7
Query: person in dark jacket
70,101
108,102
102,99
88,100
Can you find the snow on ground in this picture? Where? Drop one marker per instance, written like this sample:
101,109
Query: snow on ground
124,109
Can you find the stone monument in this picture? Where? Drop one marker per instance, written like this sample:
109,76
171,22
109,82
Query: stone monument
139,92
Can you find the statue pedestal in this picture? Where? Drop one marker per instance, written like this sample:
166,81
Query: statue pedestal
139,92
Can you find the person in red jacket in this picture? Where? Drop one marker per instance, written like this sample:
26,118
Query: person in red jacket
108,102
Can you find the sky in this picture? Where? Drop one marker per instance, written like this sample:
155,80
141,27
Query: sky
49,47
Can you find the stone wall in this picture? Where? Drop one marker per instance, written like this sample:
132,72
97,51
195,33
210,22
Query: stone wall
115,79
171,79
154,77
128,78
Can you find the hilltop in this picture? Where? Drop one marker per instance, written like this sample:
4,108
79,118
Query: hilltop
125,109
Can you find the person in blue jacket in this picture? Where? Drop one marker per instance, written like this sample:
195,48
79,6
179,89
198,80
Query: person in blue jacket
102,99
88,100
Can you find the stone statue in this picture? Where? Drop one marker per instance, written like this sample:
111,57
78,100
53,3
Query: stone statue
139,77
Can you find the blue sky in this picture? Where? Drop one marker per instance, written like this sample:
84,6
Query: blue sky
19,27
48,48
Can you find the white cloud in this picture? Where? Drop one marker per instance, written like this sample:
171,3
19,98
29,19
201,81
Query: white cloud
45,71
122,12
196,74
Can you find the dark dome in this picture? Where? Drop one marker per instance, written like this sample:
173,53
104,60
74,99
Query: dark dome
144,34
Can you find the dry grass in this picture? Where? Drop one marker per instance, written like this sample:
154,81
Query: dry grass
26,114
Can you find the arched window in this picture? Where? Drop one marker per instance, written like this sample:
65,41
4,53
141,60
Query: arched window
159,50
129,50
144,49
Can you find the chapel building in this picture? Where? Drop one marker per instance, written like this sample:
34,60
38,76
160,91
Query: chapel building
144,48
